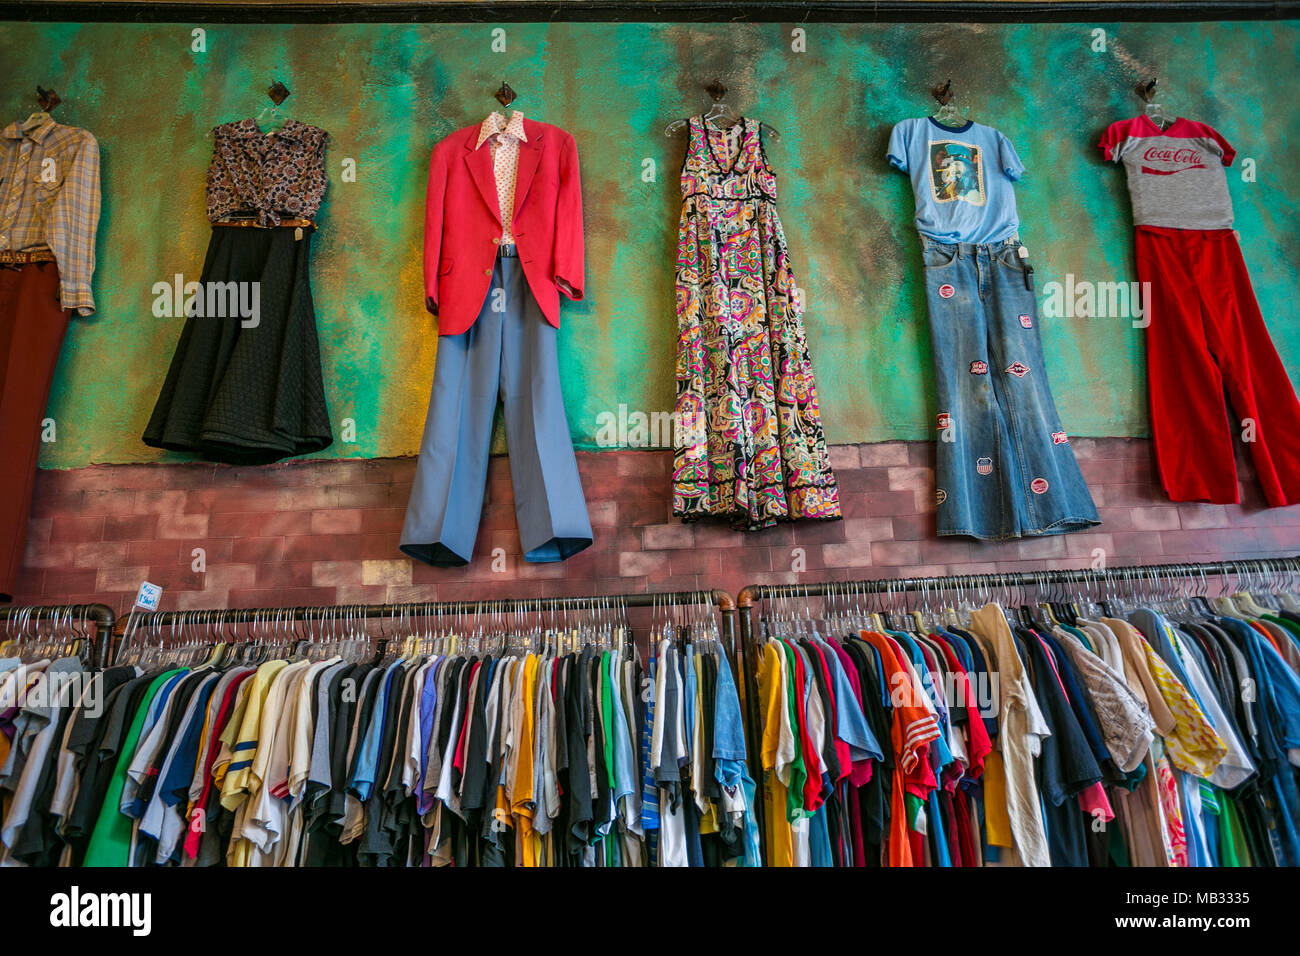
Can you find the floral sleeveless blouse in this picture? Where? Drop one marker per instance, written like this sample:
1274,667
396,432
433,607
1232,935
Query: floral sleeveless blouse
266,178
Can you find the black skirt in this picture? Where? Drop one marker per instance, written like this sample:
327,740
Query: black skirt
247,391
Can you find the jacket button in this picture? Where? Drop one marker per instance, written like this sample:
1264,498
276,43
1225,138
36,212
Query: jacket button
496,242
487,272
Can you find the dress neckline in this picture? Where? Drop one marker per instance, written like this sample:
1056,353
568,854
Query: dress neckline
743,125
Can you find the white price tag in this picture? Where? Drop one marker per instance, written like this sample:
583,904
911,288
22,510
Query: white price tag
148,596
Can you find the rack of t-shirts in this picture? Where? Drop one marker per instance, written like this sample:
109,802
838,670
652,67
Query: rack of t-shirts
47,653
463,733
1132,716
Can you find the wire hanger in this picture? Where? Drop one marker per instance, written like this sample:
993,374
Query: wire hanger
719,115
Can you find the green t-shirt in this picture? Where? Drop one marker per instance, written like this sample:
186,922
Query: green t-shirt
798,769
110,841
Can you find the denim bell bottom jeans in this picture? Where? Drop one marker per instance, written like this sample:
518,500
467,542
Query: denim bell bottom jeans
1004,466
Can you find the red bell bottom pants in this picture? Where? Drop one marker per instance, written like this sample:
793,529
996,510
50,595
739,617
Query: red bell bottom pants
1206,337
32,325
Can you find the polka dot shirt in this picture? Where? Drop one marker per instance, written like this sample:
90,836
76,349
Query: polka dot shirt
503,138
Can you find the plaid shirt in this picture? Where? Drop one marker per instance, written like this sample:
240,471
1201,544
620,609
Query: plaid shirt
49,198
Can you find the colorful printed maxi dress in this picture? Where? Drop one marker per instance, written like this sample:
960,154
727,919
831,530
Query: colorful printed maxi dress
749,442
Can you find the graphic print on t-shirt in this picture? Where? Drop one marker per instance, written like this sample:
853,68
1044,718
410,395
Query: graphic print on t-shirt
956,172
1162,160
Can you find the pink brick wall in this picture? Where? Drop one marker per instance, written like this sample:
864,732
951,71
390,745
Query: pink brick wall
326,532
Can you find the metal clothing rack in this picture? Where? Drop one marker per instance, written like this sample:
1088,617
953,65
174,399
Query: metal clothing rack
100,615
719,599
749,598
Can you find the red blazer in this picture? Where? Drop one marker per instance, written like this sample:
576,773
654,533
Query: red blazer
462,219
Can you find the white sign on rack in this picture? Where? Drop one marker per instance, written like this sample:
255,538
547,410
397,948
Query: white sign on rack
148,596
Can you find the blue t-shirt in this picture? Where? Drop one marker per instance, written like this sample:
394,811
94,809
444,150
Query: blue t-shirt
962,178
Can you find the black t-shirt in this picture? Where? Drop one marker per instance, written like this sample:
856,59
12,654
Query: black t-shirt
580,807
1066,766
102,759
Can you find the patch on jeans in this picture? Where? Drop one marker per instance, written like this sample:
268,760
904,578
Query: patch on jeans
1060,438
984,466
940,496
1018,369
946,291
979,368
1027,322
1038,486
945,420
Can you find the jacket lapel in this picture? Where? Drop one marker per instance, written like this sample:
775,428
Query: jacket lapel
530,154
479,162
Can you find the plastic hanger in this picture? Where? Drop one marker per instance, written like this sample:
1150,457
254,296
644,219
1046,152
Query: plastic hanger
505,95
948,113
719,115
1154,110
278,93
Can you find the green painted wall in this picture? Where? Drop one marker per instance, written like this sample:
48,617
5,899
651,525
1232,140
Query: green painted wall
387,93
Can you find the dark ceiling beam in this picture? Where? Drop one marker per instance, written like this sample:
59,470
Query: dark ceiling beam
637,11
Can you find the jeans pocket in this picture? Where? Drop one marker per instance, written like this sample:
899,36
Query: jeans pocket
1010,257
938,256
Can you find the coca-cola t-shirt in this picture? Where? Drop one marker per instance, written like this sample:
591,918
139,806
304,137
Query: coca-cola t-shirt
1175,175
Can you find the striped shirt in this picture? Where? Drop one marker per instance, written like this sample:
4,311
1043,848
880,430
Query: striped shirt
49,199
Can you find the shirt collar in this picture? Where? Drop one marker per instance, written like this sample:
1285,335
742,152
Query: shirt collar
496,123
36,133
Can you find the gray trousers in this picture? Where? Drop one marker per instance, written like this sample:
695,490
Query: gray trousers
510,350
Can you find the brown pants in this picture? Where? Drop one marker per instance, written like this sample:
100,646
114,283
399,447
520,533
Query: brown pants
32,325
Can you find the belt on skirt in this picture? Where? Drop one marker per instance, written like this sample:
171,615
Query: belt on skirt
297,225
508,250
254,224
9,257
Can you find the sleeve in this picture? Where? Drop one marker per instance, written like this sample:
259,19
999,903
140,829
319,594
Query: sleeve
1229,154
317,181
74,219
433,219
1009,159
898,143
1284,691
1112,141
568,224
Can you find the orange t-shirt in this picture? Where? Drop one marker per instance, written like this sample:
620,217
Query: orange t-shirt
911,730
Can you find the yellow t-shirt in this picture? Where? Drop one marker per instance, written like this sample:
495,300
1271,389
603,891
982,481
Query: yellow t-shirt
521,804
771,698
997,824
234,788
